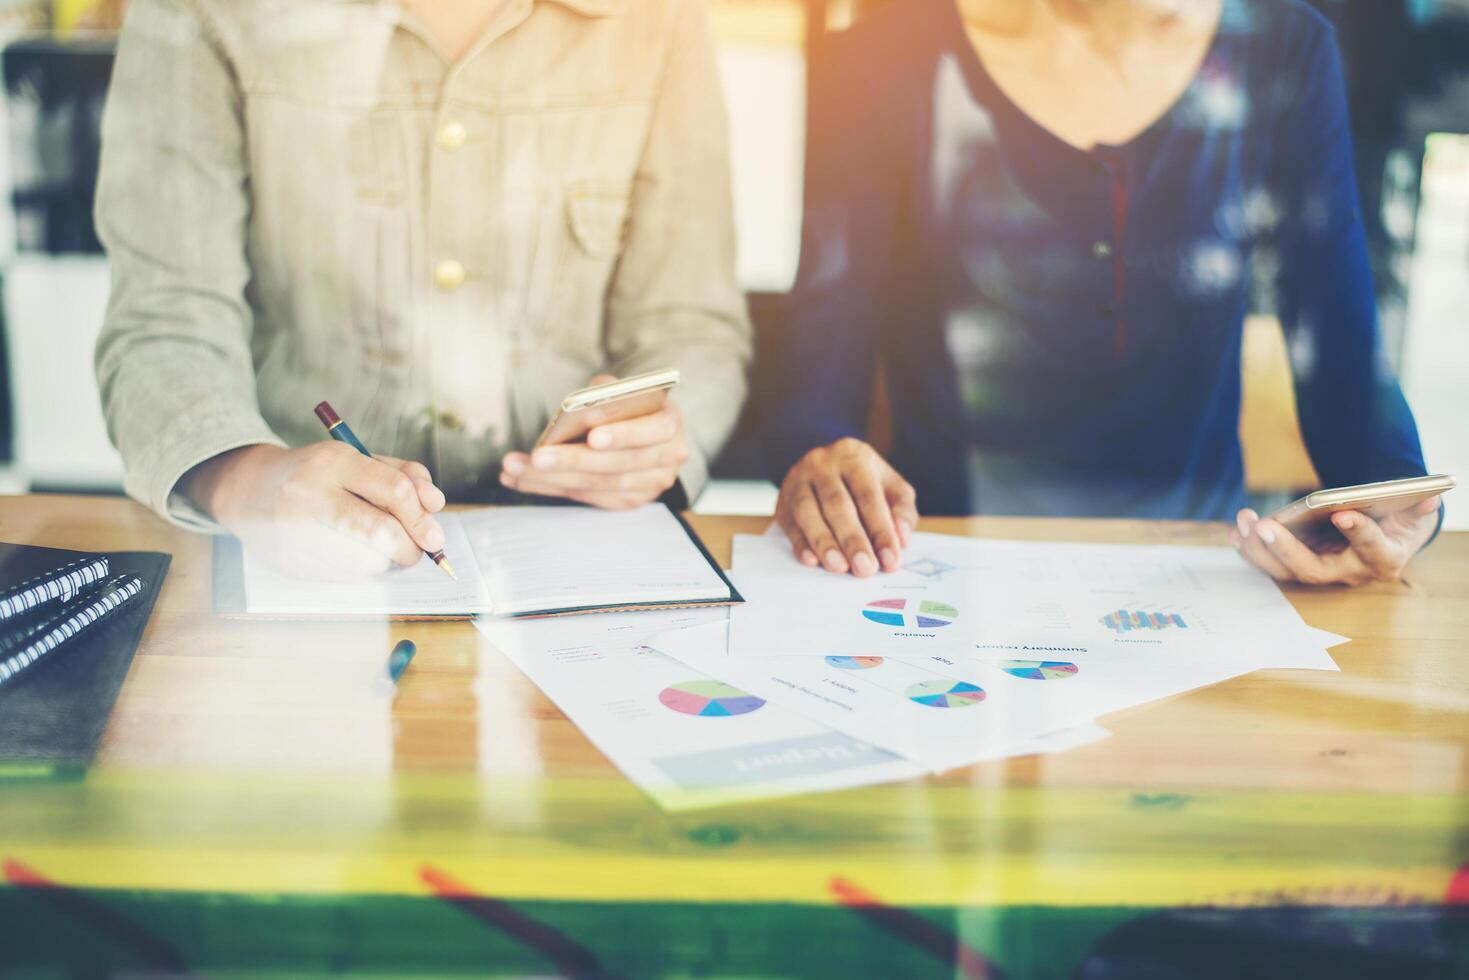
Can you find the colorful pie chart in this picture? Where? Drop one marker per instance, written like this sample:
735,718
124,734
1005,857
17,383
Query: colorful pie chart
946,693
1039,670
709,699
854,663
923,614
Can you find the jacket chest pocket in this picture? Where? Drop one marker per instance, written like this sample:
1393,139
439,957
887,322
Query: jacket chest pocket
593,234
597,216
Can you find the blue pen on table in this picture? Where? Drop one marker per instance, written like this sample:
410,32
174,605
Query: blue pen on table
400,658
342,432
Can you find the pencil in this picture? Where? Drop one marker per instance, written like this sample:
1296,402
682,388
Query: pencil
342,432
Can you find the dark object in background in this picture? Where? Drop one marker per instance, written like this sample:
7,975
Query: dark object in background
55,91
743,458
1401,59
7,413
1306,942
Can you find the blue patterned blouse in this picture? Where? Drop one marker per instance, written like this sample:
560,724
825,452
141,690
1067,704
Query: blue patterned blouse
1059,330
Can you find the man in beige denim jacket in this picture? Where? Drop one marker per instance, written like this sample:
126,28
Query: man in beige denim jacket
326,199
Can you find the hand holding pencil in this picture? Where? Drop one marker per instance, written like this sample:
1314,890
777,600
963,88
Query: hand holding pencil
323,511
342,432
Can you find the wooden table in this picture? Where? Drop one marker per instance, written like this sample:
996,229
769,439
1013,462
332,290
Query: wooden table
255,804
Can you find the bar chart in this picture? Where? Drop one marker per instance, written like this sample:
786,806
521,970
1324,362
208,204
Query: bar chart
1127,621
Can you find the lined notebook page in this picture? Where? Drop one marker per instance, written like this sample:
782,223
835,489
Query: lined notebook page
551,558
423,590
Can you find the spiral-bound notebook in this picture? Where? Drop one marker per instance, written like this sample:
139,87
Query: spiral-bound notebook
53,713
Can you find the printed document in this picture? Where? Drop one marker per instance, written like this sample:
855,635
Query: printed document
939,714
959,597
687,738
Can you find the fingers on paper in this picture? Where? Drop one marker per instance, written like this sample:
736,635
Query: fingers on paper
839,511
903,501
811,522
878,521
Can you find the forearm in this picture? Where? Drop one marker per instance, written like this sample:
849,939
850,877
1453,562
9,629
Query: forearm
173,360
217,486
1356,423
165,420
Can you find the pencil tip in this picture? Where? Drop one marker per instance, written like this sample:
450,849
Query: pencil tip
444,564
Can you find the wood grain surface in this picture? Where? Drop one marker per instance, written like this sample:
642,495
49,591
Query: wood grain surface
257,756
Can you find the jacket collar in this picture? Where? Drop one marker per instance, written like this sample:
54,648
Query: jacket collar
587,8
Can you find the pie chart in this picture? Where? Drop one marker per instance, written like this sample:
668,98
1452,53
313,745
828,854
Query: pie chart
708,699
924,614
946,693
1039,670
854,663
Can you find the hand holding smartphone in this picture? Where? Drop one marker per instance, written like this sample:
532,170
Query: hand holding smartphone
628,398
1347,535
617,444
1309,518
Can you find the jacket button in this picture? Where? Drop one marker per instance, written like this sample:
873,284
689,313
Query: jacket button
452,135
449,275
1101,250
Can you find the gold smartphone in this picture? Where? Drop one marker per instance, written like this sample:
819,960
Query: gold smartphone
1312,513
627,398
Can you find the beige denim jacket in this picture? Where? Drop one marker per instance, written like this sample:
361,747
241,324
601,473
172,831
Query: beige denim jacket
303,200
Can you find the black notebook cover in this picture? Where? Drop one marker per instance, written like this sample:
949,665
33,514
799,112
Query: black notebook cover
53,714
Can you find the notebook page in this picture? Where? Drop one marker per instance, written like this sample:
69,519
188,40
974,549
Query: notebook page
423,590
547,558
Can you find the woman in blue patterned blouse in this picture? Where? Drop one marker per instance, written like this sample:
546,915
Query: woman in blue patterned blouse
1042,222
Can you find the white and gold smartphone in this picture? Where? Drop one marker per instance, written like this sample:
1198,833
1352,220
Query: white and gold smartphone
1376,500
627,398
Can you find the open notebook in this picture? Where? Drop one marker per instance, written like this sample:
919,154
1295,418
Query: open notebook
511,561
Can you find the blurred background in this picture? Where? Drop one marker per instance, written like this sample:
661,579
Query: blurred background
1407,63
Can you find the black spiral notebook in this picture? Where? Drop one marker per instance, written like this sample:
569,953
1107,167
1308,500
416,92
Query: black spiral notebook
52,713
